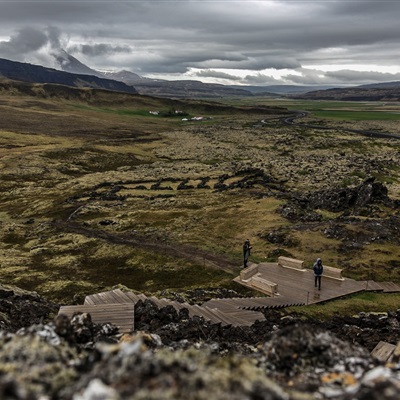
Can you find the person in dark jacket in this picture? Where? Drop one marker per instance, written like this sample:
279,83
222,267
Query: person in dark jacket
318,270
246,252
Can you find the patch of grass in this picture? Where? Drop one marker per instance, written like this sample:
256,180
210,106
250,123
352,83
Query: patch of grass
85,160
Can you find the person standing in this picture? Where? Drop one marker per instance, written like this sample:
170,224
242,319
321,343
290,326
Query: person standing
318,270
246,252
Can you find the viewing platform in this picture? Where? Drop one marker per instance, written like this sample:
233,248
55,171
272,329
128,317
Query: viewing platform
287,283
288,280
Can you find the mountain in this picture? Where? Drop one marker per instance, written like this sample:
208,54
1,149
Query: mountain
128,77
38,74
188,89
272,90
378,92
153,87
71,64
382,85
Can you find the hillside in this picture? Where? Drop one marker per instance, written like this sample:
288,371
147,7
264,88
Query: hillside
99,193
390,93
37,74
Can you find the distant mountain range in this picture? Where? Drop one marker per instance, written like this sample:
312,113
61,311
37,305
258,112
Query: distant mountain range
273,90
386,91
75,73
153,87
37,74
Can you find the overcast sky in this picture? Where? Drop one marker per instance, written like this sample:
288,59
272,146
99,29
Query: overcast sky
225,41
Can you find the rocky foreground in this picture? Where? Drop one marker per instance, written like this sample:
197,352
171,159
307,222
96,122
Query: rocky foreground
171,356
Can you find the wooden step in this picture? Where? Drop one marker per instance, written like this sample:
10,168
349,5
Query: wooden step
110,297
121,315
166,302
133,297
222,317
373,286
207,314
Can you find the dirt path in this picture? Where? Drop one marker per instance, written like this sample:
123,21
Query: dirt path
186,252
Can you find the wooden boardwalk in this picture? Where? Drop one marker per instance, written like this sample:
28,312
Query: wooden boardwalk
295,287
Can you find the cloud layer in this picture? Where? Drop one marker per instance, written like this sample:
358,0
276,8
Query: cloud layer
226,41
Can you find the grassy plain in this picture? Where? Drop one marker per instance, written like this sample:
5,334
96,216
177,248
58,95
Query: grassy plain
96,193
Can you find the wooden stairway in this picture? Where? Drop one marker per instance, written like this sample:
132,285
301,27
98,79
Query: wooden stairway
253,303
385,287
115,301
121,315
235,316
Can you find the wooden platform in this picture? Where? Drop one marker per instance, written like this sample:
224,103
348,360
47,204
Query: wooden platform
297,286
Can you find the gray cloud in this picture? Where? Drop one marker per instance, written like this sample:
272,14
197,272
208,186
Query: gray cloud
208,73
172,37
24,41
98,49
260,79
348,76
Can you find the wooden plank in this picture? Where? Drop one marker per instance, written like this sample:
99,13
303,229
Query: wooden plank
293,263
247,273
89,300
332,272
133,297
390,287
121,296
166,302
207,314
225,320
265,285
373,286
383,351
122,315
231,318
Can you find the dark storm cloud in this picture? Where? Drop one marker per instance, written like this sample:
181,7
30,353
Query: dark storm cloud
208,73
99,49
24,41
175,36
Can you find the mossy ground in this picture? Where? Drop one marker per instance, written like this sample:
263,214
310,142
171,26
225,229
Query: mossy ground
95,165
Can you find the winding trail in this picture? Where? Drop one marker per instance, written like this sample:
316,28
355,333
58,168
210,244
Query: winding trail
290,120
183,251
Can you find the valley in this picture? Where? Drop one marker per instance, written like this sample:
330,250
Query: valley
96,192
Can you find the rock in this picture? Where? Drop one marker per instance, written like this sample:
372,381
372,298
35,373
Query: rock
97,390
19,308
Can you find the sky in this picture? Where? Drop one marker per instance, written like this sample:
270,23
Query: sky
296,42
